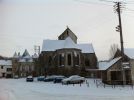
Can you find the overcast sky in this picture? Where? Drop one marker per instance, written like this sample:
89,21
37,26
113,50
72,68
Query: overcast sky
25,23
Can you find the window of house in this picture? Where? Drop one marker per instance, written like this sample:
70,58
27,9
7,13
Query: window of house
69,59
1,67
9,69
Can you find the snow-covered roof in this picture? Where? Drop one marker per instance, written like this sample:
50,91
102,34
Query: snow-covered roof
106,64
22,60
129,52
26,54
6,62
25,60
15,55
53,45
35,55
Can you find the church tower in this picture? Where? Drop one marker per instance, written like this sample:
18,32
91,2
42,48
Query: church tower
68,33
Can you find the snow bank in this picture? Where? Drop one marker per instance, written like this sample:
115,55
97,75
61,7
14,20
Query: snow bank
19,89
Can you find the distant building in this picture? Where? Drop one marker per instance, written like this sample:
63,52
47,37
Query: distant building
6,68
24,65
65,56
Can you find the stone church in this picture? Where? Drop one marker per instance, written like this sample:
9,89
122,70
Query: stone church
65,56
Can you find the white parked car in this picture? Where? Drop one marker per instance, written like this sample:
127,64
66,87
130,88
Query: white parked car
74,79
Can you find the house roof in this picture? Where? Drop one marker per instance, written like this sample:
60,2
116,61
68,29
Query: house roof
26,54
129,52
35,55
103,65
15,55
6,62
53,45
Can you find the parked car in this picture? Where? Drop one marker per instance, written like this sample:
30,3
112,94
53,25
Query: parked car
59,79
74,79
41,78
52,78
30,79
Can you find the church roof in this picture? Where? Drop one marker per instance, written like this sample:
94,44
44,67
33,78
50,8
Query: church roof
68,31
53,45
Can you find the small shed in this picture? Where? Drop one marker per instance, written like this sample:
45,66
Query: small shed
112,71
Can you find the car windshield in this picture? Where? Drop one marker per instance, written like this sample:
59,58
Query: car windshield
41,76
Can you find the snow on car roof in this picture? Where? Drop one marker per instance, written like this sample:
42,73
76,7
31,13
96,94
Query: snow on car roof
53,45
30,77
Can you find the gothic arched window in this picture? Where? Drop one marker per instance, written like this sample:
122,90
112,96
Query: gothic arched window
69,59
87,62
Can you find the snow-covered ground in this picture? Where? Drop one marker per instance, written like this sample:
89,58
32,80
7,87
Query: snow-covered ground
19,89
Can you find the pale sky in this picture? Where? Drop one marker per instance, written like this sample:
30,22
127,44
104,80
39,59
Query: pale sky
25,23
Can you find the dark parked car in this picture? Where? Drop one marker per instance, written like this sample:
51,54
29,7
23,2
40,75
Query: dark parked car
59,79
52,78
30,79
41,78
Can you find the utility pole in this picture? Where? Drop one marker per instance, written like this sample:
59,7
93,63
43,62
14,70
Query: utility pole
117,7
119,27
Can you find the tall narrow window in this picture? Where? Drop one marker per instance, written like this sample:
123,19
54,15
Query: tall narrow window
77,59
69,59
61,59
87,63
49,60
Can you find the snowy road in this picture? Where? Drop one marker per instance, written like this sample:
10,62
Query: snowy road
19,89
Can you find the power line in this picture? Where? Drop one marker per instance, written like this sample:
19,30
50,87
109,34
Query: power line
89,2
129,9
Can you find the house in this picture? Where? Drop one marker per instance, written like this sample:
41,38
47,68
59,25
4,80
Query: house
6,68
123,72
65,56
24,65
112,71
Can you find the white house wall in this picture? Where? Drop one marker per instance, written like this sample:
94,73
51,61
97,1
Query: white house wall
4,70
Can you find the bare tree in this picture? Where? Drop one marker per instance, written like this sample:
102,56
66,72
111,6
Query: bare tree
113,50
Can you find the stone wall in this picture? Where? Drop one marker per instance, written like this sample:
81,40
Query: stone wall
132,69
56,62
